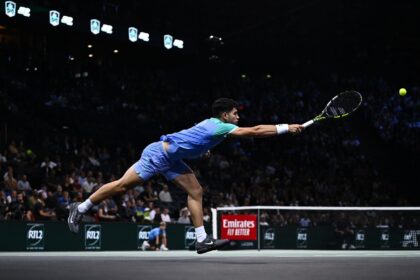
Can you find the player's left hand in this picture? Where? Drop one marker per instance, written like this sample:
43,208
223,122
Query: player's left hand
295,128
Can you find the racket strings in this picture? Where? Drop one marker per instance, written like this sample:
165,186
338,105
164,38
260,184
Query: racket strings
344,103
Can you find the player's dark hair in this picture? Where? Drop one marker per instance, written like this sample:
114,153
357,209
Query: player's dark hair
223,105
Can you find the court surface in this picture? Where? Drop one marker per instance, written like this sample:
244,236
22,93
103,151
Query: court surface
227,265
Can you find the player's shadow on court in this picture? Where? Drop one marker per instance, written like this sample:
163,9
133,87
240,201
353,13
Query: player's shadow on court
213,261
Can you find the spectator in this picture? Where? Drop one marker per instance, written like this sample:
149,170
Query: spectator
107,210
165,215
10,182
184,218
264,219
47,165
17,209
140,210
155,215
149,195
13,150
206,215
130,210
23,184
3,159
89,184
3,205
63,201
304,220
147,217
165,195
40,211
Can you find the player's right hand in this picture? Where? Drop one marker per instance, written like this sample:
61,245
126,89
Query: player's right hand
295,128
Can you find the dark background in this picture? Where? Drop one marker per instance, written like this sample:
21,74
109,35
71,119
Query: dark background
333,44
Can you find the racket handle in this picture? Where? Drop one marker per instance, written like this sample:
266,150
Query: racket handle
308,123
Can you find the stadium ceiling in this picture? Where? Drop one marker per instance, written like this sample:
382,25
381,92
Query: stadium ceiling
267,24
260,29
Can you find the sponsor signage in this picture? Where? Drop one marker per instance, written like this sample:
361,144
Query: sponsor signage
410,239
239,227
301,238
35,236
360,238
384,237
189,236
142,235
269,238
93,236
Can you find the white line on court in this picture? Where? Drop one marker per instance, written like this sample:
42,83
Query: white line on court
220,254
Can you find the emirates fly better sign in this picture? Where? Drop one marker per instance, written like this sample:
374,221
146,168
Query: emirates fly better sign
239,227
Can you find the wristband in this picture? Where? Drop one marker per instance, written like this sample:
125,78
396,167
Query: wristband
282,128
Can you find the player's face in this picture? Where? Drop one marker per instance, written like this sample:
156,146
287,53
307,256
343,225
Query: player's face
232,116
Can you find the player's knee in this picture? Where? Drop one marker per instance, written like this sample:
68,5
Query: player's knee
197,193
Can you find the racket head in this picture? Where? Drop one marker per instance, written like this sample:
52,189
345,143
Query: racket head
341,105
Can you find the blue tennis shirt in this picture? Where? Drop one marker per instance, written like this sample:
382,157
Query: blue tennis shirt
156,232
197,140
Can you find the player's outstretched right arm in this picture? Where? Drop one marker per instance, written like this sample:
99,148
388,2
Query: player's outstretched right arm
265,130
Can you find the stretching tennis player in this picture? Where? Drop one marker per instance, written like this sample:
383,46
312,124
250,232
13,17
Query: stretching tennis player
166,157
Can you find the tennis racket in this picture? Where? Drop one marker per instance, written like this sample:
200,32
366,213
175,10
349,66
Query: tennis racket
339,107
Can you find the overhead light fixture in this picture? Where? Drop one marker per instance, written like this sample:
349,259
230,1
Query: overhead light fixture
144,36
90,55
54,18
179,43
67,20
24,11
95,26
107,28
115,51
10,8
132,34
168,41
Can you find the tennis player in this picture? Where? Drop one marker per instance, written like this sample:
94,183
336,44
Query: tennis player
166,157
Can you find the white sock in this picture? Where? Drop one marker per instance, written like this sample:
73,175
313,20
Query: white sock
85,206
200,233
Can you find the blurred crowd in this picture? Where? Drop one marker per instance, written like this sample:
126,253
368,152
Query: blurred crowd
72,129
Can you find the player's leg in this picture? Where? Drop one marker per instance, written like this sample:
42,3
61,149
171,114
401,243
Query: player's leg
140,172
127,181
189,183
182,176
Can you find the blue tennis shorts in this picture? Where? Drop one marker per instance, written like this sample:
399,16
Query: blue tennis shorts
154,160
